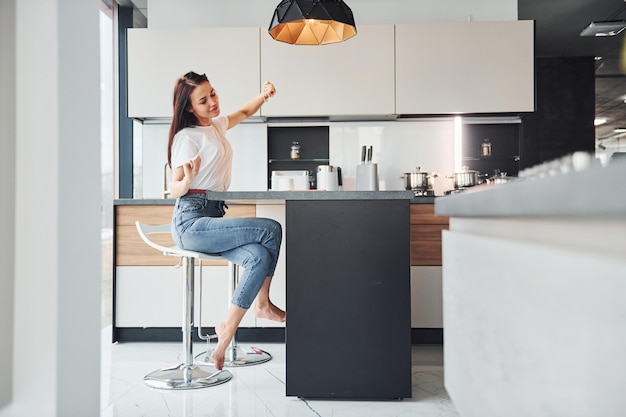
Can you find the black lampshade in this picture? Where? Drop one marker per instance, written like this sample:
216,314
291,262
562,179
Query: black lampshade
312,22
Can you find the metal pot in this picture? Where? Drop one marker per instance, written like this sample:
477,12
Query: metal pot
418,181
465,178
500,178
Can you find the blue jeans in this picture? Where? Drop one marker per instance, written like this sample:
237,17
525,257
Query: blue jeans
252,243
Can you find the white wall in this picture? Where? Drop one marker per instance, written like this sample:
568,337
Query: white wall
57,276
219,13
7,185
249,142
398,147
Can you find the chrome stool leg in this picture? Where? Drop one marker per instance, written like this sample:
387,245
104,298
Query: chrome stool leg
235,355
187,375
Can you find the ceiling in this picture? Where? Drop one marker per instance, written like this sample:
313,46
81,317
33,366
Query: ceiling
558,24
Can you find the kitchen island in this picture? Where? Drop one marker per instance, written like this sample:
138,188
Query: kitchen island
534,281
348,333
348,292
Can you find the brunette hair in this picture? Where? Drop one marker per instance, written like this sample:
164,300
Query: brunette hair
182,117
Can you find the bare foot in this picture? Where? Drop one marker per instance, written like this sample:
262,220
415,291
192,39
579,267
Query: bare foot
224,336
269,311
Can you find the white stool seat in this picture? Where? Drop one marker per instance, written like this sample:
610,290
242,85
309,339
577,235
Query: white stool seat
146,229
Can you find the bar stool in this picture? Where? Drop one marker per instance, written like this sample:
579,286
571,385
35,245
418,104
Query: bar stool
186,375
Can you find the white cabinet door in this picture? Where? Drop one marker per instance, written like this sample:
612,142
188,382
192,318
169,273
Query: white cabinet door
426,297
158,57
279,282
355,77
152,296
485,67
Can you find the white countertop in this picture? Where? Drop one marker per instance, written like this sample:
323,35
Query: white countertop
269,197
594,192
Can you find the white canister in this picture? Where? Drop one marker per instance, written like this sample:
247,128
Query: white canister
327,178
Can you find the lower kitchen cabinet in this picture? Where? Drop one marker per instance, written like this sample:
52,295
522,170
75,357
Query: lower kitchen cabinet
152,297
148,288
279,282
426,270
426,297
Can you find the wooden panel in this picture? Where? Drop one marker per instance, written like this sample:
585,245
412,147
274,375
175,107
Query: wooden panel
426,244
127,215
425,214
131,250
426,235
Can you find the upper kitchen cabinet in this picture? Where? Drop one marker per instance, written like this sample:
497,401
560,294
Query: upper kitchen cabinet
349,78
158,57
478,67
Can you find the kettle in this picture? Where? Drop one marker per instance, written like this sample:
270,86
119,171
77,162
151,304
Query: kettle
328,177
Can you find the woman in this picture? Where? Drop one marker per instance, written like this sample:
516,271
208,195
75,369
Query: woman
201,159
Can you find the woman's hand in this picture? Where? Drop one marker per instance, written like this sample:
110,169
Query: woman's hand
269,90
183,175
191,168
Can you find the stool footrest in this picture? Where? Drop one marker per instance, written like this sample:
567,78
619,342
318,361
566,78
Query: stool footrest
236,358
181,377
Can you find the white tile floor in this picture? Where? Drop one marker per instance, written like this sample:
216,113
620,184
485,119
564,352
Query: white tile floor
254,391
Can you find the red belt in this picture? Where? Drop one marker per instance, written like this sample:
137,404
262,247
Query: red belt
196,192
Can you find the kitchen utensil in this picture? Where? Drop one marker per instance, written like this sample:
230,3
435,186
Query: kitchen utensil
500,178
485,148
367,177
282,183
300,180
465,178
367,172
295,150
327,178
419,180
339,179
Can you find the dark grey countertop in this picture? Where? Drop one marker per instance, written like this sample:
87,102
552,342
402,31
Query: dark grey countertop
595,192
279,197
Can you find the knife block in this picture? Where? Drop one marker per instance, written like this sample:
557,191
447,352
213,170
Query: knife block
367,177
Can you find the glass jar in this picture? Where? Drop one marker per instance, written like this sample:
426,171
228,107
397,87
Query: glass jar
485,148
295,150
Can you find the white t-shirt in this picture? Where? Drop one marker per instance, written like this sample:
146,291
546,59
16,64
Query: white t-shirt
211,144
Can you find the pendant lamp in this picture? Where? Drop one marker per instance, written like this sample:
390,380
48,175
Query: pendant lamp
312,22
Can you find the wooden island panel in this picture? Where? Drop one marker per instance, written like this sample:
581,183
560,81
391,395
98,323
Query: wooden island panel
426,235
131,250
